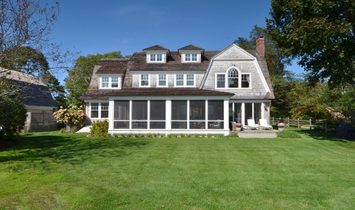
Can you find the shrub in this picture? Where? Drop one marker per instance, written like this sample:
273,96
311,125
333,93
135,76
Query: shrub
99,129
12,110
73,116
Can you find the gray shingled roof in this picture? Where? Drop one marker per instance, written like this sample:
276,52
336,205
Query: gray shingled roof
138,63
190,47
33,91
155,47
112,66
104,94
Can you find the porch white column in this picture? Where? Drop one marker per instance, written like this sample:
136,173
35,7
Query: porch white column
111,114
168,114
243,113
206,114
226,114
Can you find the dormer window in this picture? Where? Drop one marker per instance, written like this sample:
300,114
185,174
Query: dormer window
191,57
156,57
110,82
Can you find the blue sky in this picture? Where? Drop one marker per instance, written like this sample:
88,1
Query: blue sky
91,27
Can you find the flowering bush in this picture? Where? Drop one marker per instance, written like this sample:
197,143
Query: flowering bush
72,116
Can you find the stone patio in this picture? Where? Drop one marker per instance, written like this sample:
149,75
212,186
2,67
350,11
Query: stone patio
257,134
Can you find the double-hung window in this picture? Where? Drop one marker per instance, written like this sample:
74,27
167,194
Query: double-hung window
114,82
179,80
104,110
156,57
144,80
162,80
221,80
191,57
94,110
245,80
190,80
105,81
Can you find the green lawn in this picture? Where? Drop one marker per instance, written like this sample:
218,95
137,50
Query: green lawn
68,171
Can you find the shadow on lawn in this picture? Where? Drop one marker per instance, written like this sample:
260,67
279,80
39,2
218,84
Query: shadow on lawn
68,148
321,135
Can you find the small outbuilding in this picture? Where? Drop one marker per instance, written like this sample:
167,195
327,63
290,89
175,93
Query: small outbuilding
37,99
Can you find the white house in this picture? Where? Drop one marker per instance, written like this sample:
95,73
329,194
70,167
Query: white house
185,91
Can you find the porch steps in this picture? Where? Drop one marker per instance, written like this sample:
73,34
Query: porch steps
257,134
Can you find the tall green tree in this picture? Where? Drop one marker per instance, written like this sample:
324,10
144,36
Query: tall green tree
320,33
78,79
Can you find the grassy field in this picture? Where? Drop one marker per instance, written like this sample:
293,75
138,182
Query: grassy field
68,171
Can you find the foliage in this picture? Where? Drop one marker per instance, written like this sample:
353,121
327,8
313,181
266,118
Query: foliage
320,33
72,116
12,110
99,128
78,79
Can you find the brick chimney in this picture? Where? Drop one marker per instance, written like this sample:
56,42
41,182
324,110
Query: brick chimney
260,46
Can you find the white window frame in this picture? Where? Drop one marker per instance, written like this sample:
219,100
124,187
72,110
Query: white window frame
185,80
216,80
158,80
140,80
101,82
249,81
156,57
226,85
119,82
194,82
99,109
191,57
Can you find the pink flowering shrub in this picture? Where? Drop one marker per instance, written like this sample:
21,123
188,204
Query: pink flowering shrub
72,116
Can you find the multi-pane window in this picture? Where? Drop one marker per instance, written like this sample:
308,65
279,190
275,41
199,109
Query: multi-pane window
105,82
104,110
94,110
114,82
233,78
162,80
139,114
190,80
197,114
179,114
156,57
215,114
121,114
194,57
190,57
221,80
179,80
245,80
144,80
187,57
157,115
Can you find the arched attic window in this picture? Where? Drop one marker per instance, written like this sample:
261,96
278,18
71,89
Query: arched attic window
233,78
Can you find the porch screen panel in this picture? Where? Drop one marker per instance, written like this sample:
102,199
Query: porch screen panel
121,114
257,112
179,114
197,114
238,112
215,114
139,114
157,114
248,112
